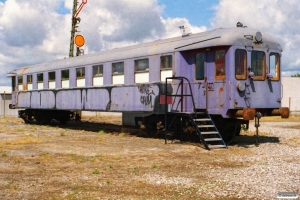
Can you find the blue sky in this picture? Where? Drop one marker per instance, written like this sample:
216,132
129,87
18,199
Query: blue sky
198,12
33,32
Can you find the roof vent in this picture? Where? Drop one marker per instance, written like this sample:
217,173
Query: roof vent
183,31
239,24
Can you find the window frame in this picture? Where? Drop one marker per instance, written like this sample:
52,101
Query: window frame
39,79
136,66
118,77
20,78
263,67
99,69
277,69
81,72
168,62
113,68
239,76
223,75
62,74
196,67
29,79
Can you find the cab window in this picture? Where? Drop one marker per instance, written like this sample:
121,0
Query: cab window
274,66
258,64
240,64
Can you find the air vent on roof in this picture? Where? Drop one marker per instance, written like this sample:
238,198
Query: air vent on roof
239,24
183,31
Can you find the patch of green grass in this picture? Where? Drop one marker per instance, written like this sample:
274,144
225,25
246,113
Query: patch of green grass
110,166
108,181
96,171
100,132
154,166
135,170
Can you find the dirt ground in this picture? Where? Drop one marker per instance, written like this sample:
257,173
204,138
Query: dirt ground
100,159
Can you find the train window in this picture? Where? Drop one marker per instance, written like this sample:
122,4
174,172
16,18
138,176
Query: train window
258,64
240,64
97,75
20,83
29,82
118,73
274,66
51,83
65,83
13,83
220,64
199,65
40,79
141,70
80,77
165,67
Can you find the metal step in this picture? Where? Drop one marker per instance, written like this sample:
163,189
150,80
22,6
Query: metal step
212,139
217,146
209,132
202,120
205,126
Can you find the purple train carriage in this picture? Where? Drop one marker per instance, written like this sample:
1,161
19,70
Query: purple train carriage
209,83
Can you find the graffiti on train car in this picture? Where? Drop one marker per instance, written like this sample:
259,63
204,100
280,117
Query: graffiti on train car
146,94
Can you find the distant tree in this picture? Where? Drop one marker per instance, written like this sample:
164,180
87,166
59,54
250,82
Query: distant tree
296,75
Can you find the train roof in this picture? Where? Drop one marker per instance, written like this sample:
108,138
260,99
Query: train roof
237,36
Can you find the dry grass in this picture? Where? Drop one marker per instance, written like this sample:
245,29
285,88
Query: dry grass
279,119
78,164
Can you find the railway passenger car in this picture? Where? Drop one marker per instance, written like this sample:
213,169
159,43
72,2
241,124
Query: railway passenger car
227,73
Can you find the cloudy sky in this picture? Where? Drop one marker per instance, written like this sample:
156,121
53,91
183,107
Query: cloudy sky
32,32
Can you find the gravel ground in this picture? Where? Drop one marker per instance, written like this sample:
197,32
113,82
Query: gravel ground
111,162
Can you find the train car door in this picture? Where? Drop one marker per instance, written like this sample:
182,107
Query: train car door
216,79
199,87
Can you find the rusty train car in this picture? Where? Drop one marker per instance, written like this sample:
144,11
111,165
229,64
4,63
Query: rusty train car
222,76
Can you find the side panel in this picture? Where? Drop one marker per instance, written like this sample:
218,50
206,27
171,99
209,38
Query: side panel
97,99
43,99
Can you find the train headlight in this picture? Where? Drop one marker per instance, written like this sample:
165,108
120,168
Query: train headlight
241,86
258,37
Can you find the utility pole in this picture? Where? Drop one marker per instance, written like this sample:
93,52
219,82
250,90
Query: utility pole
76,20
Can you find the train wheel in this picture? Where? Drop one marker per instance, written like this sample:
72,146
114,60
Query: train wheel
230,131
63,121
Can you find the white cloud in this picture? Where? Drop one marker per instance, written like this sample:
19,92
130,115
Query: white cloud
280,19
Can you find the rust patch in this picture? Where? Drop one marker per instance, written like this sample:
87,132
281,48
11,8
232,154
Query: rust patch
23,70
284,112
249,113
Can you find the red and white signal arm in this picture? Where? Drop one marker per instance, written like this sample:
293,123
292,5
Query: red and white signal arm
79,40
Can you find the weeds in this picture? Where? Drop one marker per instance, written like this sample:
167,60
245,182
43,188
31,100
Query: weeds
96,171
135,171
154,166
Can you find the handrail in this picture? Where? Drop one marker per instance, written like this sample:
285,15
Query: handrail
181,95
180,86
